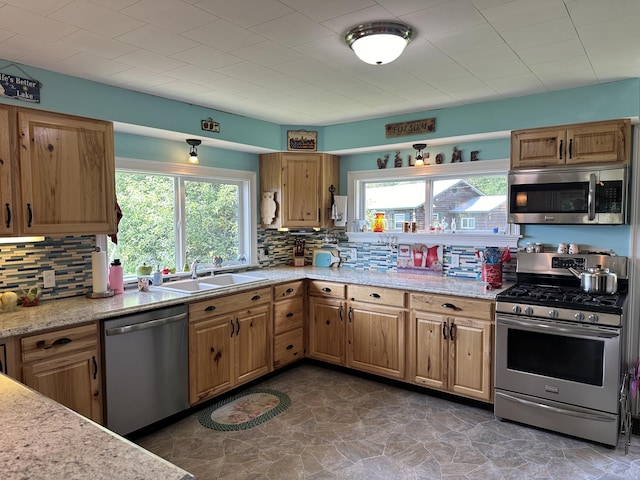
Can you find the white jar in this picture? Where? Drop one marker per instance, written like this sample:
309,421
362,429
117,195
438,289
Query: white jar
563,248
574,249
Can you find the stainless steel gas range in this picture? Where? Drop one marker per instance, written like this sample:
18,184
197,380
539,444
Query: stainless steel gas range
559,350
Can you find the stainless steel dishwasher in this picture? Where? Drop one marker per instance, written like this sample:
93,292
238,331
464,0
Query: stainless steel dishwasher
146,367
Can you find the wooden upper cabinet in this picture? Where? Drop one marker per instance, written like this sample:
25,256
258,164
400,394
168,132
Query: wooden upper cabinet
586,143
67,174
294,189
8,170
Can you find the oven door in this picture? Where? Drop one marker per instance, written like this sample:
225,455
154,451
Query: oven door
574,364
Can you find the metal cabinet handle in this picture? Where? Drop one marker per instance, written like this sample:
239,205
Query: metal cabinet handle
290,314
30,215
571,148
95,367
326,289
451,330
289,347
233,328
340,312
210,308
237,327
57,343
444,330
8,207
255,297
451,306
350,314
560,149
374,295
289,290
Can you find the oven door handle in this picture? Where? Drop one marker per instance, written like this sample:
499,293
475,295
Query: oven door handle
549,408
547,328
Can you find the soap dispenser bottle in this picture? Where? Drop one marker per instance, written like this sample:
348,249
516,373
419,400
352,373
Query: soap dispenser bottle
157,277
116,280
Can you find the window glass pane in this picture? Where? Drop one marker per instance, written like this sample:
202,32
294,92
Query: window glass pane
212,213
476,203
146,231
395,198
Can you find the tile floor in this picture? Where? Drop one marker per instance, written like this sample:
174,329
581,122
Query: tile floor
342,426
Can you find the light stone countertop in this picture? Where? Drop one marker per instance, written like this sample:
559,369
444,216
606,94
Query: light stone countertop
43,439
74,311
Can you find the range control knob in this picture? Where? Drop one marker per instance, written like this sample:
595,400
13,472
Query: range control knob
515,309
579,316
553,313
528,310
593,318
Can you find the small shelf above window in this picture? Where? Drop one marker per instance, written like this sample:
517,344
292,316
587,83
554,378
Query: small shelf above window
457,239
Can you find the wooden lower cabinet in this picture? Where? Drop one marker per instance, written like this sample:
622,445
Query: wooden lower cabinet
452,351
229,345
288,323
326,330
64,365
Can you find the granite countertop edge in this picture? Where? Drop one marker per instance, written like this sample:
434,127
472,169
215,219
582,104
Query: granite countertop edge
68,312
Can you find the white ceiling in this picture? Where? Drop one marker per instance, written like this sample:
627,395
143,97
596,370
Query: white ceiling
285,61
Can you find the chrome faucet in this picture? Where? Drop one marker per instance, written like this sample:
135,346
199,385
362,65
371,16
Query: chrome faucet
194,268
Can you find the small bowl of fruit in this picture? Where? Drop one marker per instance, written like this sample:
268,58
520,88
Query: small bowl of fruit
30,297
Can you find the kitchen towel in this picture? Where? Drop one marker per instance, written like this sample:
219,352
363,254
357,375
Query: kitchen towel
99,271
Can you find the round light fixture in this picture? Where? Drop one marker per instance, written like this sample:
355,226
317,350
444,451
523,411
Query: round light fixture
378,43
193,152
418,147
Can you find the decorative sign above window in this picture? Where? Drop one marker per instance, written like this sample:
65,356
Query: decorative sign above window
426,125
302,141
25,89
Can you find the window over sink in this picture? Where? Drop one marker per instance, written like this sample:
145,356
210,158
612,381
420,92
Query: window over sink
175,213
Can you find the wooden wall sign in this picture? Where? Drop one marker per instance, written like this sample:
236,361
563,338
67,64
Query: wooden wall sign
302,141
426,125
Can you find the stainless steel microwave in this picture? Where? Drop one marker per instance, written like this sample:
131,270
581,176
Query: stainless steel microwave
576,196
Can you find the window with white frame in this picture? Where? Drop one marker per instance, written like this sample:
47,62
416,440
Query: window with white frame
173,214
469,199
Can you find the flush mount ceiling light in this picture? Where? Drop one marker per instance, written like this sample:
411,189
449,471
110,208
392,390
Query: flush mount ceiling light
418,147
378,43
193,153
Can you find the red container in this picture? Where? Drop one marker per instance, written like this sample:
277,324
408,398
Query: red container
492,274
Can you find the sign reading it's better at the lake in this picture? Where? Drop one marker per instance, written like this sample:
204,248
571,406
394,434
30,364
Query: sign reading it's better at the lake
19,88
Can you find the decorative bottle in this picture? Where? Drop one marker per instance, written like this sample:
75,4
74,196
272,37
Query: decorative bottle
116,278
378,222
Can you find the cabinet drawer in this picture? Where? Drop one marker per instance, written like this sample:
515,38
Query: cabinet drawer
231,303
288,290
288,348
320,288
50,344
453,306
377,295
287,315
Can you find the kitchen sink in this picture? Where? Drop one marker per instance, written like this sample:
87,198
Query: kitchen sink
204,284
187,286
227,279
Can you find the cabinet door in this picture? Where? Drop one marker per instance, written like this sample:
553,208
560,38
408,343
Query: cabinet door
326,330
470,358
600,142
376,340
253,343
8,223
211,357
67,174
431,349
539,147
72,380
301,190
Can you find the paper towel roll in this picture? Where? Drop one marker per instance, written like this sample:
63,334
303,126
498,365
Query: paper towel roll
99,271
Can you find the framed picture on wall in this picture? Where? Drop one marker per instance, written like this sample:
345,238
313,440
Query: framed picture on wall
302,141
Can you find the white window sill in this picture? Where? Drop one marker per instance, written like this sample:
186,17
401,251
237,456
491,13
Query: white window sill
446,238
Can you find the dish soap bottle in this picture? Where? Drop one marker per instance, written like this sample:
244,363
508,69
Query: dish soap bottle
116,281
157,277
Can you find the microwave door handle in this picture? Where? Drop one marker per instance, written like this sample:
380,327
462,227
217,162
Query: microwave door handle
591,200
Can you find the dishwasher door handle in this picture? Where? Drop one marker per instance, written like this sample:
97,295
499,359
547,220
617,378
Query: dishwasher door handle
145,325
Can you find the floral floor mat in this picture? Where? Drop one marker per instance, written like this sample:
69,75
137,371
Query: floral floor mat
244,410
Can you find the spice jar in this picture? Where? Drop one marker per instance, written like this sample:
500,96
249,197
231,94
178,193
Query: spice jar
378,222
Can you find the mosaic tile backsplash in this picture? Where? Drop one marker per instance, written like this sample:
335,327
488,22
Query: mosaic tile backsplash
22,265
